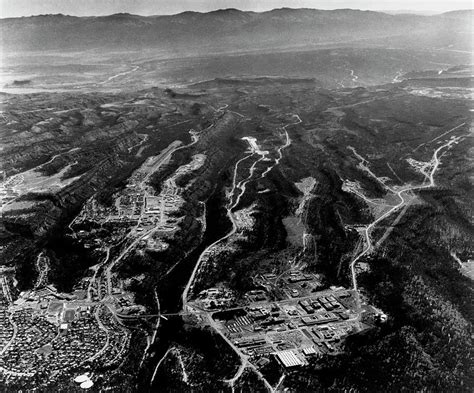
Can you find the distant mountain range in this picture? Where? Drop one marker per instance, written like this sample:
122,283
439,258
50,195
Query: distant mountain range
236,31
413,12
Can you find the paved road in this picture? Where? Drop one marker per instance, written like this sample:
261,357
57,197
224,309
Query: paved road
171,149
230,206
401,194
243,359
158,365
281,148
184,297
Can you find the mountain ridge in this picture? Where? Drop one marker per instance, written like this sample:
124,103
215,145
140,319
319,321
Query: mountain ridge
229,28
228,10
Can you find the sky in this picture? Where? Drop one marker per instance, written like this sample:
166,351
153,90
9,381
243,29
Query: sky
16,8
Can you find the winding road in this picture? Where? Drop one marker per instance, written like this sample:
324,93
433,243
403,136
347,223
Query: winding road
401,194
281,148
184,297
241,185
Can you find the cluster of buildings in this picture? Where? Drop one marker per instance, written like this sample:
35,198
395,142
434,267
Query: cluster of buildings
19,359
292,284
256,295
215,298
328,303
293,330
243,218
46,334
118,340
6,333
129,205
138,208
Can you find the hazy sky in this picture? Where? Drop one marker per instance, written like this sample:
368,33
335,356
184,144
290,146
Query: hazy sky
11,8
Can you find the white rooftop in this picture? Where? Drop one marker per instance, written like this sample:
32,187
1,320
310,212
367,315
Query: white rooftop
309,351
288,359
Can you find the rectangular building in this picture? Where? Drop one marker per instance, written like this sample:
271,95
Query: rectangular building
288,359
